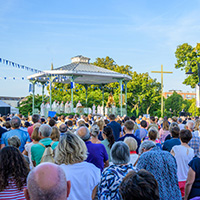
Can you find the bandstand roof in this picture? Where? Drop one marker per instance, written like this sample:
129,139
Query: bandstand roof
82,71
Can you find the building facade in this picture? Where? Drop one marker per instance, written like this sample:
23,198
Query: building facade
185,95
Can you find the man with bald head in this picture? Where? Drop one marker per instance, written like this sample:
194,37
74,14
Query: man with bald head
47,182
97,154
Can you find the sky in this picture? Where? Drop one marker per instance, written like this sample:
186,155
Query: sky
143,34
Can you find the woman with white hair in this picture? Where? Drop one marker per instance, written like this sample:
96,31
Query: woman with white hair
114,174
70,155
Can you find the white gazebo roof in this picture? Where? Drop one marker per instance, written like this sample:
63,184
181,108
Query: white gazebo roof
82,72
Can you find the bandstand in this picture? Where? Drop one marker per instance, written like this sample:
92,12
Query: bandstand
82,72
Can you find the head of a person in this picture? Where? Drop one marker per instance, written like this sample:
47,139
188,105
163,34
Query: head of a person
35,134
197,125
129,126
152,119
108,133
45,131
35,118
71,149
63,128
175,132
15,122
179,120
55,134
120,153
12,165
69,123
143,124
14,141
126,118
172,125
139,186
47,181
137,121
80,122
94,131
185,136
174,119
132,143
133,118
100,124
52,122
36,125
112,117
7,125
165,125
84,133
153,134
145,146
27,124
62,118
190,125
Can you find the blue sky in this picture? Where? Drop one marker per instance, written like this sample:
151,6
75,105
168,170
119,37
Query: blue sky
143,34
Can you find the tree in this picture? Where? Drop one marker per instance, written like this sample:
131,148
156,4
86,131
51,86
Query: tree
193,109
174,103
185,55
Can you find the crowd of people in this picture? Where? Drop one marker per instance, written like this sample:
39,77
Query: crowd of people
97,157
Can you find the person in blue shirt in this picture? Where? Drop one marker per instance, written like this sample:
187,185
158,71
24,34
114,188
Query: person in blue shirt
116,127
15,131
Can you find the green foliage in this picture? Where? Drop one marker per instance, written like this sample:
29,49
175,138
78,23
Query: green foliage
174,102
185,55
25,106
193,109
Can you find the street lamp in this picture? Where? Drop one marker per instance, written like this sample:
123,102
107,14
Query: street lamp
190,72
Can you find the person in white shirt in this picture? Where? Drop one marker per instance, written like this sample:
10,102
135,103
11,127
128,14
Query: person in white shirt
181,126
42,109
183,154
85,177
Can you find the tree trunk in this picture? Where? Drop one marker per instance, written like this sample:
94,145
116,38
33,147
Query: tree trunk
148,109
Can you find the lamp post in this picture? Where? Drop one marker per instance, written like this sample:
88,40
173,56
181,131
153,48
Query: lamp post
190,72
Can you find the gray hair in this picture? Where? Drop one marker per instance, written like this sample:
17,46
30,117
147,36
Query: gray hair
86,137
14,141
147,144
94,130
37,192
190,124
71,149
132,143
120,153
172,125
45,130
15,122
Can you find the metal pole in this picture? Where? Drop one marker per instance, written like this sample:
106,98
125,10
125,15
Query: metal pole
86,94
33,106
162,91
120,82
50,88
42,92
72,90
126,95
103,98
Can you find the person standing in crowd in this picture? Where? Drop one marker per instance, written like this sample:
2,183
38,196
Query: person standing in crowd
142,132
35,119
2,130
94,132
109,140
163,166
152,123
13,172
183,155
180,125
70,155
128,128
139,186
164,131
55,134
47,182
197,127
115,127
195,141
114,174
62,129
37,150
168,144
16,131
153,136
96,152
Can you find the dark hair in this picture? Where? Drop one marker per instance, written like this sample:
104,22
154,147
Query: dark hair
52,122
185,135
139,186
126,118
7,124
109,134
35,118
152,118
112,117
69,123
133,118
152,134
143,124
12,164
129,125
106,121
175,132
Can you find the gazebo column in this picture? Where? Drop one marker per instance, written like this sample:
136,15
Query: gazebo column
126,95
33,100
120,82
50,88
72,91
103,98
43,84
86,97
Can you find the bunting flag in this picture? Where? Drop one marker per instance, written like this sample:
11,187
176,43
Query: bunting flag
12,78
72,85
30,87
